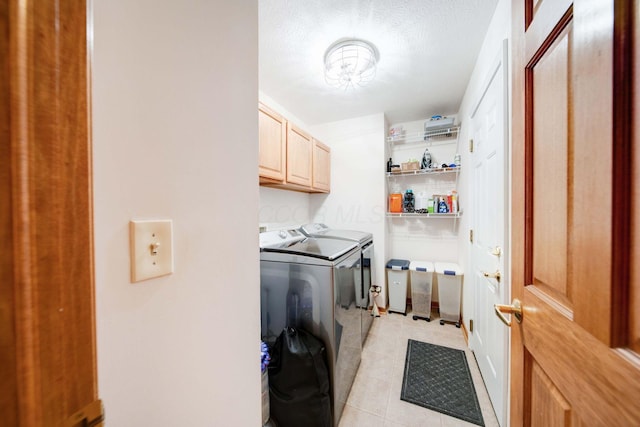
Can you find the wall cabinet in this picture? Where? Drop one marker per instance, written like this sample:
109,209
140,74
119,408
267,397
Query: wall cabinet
272,137
321,167
289,157
299,156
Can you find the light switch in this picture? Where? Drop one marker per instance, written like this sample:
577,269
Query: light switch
151,249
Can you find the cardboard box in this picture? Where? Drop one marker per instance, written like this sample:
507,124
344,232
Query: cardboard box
410,166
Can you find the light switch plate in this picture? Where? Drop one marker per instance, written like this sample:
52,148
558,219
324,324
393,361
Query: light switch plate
151,249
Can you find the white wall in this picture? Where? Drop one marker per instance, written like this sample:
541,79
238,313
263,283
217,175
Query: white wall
357,198
283,208
499,30
175,136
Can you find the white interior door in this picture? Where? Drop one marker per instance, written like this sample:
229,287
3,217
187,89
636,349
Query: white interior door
489,338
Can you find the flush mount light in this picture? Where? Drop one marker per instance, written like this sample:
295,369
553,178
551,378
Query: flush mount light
350,63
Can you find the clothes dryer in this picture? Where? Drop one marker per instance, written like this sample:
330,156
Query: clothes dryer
301,280
365,274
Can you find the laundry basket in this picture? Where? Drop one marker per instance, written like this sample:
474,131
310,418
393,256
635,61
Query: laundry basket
397,276
449,291
421,285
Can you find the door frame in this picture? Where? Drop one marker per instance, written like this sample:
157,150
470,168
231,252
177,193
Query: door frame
46,223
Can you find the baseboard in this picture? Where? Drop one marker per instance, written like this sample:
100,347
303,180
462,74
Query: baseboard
434,306
380,310
465,333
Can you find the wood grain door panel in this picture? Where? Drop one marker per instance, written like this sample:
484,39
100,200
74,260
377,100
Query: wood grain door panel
299,156
634,193
46,215
321,167
272,134
548,407
8,362
599,383
572,357
550,209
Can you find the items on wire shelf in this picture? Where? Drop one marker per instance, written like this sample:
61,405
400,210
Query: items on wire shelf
423,204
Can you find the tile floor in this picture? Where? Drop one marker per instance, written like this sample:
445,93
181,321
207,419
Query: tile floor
374,400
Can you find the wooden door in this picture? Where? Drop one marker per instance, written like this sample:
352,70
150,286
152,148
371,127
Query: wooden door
47,327
574,357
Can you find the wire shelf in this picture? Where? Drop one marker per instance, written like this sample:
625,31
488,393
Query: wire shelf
438,135
425,172
424,215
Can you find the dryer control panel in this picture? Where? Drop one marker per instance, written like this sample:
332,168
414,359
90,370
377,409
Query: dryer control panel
278,238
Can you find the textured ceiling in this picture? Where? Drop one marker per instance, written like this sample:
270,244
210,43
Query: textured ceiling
427,52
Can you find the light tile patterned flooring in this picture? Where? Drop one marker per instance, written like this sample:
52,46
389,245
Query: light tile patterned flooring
374,400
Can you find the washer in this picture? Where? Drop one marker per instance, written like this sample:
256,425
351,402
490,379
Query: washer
301,280
365,277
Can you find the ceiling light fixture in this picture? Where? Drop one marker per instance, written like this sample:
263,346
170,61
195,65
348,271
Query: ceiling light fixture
350,63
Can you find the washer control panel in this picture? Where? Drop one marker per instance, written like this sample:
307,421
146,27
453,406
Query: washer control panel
280,237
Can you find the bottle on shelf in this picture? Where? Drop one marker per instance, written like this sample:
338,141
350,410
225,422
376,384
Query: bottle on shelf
421,202
426,159
395,203
409,202
454,201
442,205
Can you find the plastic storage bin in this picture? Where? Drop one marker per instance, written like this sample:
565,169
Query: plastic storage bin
421,284
397,275
449,290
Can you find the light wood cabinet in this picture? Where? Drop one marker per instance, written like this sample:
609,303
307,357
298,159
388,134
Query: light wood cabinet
299,156
272,134
321,167
290,158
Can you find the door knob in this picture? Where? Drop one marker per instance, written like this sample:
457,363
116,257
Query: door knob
514,309
495,275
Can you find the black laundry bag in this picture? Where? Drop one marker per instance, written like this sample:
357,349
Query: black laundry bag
299,381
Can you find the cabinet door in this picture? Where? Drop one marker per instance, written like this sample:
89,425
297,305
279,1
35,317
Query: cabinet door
299,155
272,130
321,167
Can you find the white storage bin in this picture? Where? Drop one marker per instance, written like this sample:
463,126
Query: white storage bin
449,291
421,285
397,276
